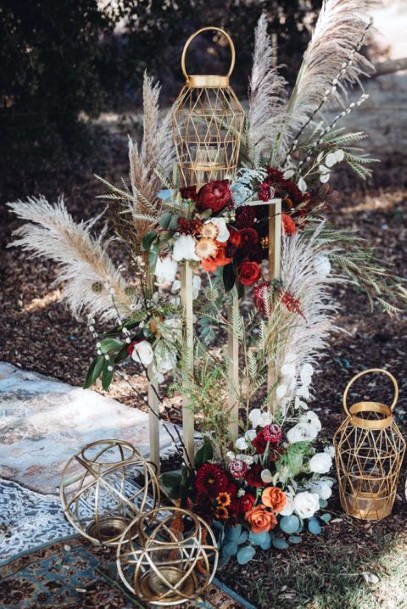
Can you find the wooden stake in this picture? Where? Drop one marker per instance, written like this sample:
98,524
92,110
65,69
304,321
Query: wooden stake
233,371
187,410
274,273
154,422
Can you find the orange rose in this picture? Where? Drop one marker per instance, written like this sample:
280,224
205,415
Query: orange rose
274,498
260,519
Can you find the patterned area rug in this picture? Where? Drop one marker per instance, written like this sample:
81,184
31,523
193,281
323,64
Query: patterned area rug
76,575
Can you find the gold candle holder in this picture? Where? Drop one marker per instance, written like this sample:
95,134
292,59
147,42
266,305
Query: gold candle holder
104,487
369,452
167,556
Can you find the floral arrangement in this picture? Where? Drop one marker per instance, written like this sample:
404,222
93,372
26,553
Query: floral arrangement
269,484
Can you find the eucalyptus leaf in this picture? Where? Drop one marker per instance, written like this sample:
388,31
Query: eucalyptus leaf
230,548
290,524
258,538
245,555
233,533
280,543
326,518
295,539
314,527
266,544
165,219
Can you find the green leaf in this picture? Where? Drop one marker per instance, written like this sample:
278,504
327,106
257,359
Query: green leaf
95,369
240,289
107,376
204,454
122,354
165,220
107,345
172,482
148,240
229,276
173,225
326,518
152,256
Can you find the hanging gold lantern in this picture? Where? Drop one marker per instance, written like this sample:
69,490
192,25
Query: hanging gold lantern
369,452
207,124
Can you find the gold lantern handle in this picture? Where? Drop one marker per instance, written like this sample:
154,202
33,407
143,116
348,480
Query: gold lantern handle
379,370
206,29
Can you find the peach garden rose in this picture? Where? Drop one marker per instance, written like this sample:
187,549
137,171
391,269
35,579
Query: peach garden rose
274,498
260,519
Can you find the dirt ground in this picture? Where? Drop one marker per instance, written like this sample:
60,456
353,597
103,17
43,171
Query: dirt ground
38,333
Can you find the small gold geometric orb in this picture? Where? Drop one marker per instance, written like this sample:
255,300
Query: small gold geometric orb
103,488
167,556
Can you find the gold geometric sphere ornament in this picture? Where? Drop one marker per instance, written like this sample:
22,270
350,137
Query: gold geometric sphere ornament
369,453
104,486
207,124
167,556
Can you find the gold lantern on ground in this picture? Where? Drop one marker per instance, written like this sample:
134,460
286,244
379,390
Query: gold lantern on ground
167,556
207,124
103,488
369,452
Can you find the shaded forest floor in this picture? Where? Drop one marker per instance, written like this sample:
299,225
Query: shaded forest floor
38,333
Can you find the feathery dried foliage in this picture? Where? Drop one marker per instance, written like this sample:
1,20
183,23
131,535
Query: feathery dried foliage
135,211
266,97
340,28
91,279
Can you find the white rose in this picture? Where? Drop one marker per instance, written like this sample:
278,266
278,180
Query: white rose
165,270
320,463
184,248
289,506
322,487
223,234
266,476
255,417
306,504
241,444
250,435
143,353
330,450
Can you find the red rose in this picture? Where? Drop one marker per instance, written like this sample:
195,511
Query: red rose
290,227
248,272
215,195
260,443
189,193
253,477
245,503
248,237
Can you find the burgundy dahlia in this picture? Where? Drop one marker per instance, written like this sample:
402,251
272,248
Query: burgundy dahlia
211,480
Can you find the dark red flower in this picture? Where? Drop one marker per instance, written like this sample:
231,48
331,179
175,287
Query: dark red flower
215,195
260,442
248,272
248,236
264,191
274,175
189,193
254,253
260,298
253,477
211,479
272,433
245,503
245,216
290,227
189,227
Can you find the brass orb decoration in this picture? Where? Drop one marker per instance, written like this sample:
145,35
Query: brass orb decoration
207,123
103,488
167,556
369,452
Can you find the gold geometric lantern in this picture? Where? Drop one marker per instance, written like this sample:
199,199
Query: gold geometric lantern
207,124
104,487
369,453
167,556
